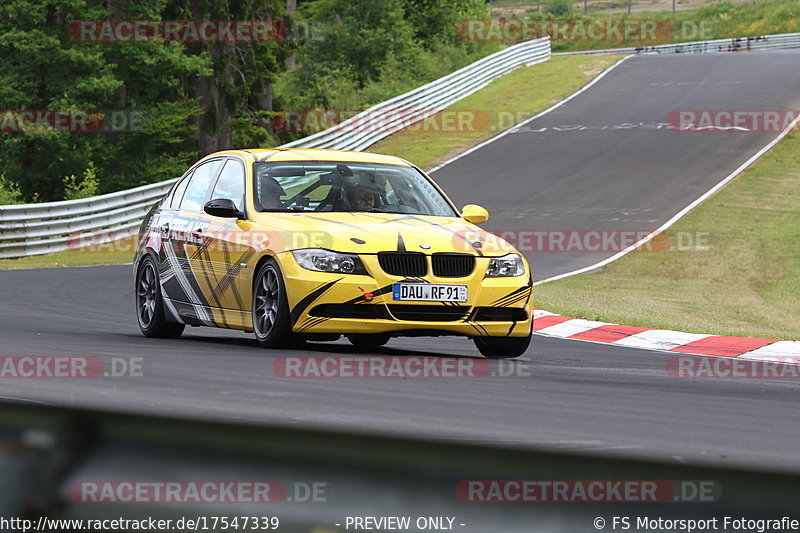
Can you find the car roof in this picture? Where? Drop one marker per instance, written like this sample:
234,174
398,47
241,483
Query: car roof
305,154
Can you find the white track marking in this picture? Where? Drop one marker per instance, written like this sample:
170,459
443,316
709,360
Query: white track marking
570,327
780,352
659,339
744,166
512,129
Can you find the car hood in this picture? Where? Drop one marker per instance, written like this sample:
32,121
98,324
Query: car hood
377,232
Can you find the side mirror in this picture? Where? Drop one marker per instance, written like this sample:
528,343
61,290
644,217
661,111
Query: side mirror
474,214
222,207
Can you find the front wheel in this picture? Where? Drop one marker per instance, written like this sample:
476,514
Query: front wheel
271,322
150,304
502,347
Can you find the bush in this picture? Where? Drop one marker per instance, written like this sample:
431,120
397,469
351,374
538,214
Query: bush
558,8
9,192
86,187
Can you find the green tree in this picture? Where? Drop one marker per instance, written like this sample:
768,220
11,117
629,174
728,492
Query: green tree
44,68
436,20
236,98
356,37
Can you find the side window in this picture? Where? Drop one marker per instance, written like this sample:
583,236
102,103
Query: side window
177,196
198,186
231,183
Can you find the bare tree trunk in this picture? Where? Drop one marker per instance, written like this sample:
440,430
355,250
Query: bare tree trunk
213,129
291,7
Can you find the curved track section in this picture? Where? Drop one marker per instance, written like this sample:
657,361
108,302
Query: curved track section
607,160
583,396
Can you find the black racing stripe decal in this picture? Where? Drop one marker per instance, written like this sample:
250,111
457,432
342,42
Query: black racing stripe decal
509,304
308,324
513,293
309,298
379,292
476,328
186,267
429,223
206,267
233,269
513,325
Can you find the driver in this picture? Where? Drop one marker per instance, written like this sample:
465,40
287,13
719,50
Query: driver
361,199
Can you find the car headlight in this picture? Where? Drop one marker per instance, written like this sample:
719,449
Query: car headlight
505,267
327,261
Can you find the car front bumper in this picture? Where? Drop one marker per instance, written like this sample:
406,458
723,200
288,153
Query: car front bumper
322,302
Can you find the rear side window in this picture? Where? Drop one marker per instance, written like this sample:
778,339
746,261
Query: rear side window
198,186
230,184
177,196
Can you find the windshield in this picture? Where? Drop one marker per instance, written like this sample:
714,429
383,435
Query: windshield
346,187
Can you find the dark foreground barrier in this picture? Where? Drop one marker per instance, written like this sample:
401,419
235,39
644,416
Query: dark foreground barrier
109,470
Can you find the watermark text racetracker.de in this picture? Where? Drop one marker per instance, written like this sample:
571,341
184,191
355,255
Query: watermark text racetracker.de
733,120
184,523
588,491
395,367
198,491
73,121
212,240
576,30
186,31
704,367
69,367
587,241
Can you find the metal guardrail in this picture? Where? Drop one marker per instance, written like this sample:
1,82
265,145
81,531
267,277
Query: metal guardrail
33,229
762,42
48,453
416,105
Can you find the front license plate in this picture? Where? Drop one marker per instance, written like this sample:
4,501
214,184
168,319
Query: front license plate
426,292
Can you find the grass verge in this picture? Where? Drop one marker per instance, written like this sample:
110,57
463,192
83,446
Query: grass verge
744,280
114,253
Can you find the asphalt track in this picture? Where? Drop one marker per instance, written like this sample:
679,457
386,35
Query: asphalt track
606,159
580,396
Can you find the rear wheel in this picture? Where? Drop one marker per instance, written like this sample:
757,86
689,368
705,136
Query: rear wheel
271,321
368,340
150,304
502,347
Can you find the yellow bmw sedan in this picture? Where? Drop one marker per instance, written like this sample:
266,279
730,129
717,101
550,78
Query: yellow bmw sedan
311,244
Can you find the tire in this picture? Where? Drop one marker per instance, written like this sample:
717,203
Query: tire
502,347
150,304
368,340
271,320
